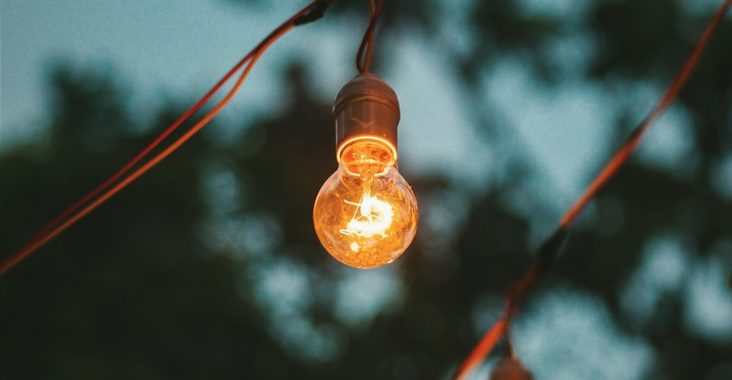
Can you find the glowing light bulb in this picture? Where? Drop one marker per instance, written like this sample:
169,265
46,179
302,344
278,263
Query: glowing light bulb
366,214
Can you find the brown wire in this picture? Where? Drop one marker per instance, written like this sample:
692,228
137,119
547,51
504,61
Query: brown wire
549,250
121,178
363,63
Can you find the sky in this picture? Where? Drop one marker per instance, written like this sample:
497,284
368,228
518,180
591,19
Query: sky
166,49
141,42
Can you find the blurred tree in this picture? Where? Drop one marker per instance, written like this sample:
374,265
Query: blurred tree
180,276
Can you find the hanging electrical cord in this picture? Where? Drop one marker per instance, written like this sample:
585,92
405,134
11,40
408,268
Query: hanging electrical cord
121,178
363,63
549,250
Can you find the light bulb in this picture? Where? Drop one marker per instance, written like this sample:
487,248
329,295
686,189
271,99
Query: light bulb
366,214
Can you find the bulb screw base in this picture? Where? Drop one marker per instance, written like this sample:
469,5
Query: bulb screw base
366,108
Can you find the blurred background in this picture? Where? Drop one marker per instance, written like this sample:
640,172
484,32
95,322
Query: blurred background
209,267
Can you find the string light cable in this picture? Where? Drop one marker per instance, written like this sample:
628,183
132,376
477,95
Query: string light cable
365,49
549,250
126,175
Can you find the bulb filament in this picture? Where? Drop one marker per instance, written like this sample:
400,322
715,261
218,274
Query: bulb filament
372,217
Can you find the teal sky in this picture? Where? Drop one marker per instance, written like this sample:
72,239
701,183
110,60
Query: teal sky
164,50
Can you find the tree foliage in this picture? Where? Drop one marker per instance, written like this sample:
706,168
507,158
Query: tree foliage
174,277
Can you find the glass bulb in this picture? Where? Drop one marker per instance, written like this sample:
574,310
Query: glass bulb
366,213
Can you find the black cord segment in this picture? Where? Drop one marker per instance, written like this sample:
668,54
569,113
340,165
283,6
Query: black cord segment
367,42
552,247
315,14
